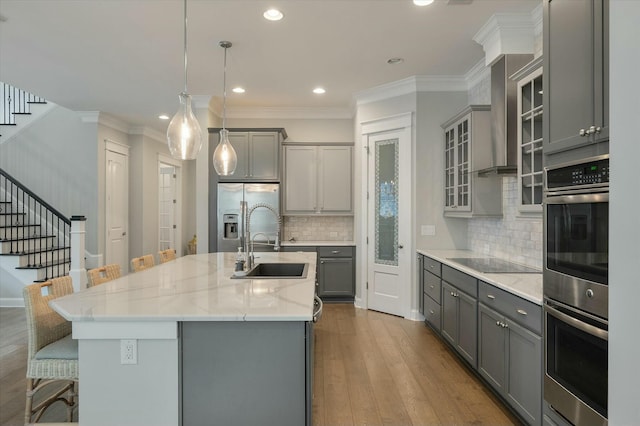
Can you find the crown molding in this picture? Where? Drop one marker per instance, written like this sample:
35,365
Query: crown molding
422,83
506,33
148,133
104,119
477,73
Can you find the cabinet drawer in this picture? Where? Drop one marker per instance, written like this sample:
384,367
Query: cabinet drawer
431,312
335,251
462,281
432,266
432,286
522,311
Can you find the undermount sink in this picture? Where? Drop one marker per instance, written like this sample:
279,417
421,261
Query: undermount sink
277,271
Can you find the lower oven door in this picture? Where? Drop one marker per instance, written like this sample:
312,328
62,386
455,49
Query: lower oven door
576,370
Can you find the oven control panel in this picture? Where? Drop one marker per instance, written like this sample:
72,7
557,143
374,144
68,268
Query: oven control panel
591,172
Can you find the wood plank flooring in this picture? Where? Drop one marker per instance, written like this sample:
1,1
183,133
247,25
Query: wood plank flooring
369,369
377,369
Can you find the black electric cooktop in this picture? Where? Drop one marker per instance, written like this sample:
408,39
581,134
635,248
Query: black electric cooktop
491,265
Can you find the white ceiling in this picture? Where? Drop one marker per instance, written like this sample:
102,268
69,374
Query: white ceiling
125,57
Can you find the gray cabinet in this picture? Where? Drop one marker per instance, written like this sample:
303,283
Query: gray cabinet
336,273
510,350
228,372
430,292
258,154
318,179
459,312
467,149
576,77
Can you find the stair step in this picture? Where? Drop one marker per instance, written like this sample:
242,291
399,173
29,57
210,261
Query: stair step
25,244
21,113
7,219
49,270
18,231
38,257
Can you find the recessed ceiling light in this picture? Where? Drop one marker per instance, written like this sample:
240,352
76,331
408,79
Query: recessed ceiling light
238,90
319,91
163,117
422,2
273,15
394,61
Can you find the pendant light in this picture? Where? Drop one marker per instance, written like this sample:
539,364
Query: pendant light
224,157
184,134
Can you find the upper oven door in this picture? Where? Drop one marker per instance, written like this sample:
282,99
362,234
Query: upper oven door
576,251
577,236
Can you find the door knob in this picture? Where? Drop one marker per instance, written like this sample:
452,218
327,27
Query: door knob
400,246
124,233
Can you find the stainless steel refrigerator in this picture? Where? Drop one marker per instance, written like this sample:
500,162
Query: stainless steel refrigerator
230,215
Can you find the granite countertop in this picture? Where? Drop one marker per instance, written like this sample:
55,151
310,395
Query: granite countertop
317,243
527,286
196,288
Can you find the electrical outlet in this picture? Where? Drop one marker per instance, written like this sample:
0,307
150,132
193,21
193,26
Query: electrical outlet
128,351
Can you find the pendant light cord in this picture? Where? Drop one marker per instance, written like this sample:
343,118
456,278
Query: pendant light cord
224,90
185,46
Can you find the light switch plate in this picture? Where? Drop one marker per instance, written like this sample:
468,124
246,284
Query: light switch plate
428,230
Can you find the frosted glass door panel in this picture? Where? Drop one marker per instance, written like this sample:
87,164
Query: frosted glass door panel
386,207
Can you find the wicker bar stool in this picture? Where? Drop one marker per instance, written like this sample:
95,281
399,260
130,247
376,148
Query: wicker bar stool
143,262
167,255
52,353
103,274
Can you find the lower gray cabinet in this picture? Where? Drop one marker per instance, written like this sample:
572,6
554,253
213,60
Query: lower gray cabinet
335,277
510,359
459,321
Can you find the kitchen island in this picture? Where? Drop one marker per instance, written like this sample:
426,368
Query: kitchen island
183,343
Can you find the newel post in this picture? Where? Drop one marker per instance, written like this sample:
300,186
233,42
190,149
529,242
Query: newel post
78,272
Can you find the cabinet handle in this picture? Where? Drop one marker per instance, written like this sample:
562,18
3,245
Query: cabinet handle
451,293
335,251
322,261
431,311
498,323
491,296
583,132
521,312
598,129
431,286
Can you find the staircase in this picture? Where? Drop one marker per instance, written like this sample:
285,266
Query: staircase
34,237
15,103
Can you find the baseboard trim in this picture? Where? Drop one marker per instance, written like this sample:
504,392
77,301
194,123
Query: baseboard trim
415,315
11,302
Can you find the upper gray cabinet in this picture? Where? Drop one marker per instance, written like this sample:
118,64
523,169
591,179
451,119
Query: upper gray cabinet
467,139
530,124
258,154
318,179
576,68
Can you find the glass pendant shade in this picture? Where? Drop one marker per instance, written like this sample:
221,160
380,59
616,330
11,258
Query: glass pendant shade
225,159
184,133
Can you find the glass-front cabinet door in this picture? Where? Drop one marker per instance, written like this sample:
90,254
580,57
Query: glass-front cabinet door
457,166
530,112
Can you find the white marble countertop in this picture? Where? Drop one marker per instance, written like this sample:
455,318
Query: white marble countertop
527,286
317,243
197,288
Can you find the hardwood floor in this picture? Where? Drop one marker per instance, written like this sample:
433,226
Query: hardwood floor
376,369
369,369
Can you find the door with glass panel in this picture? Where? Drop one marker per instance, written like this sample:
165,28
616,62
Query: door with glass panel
389,221
167,207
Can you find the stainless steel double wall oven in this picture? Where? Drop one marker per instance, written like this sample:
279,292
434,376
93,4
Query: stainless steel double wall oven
576,289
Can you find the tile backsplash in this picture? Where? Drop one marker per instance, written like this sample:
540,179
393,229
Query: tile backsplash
512,237
318,228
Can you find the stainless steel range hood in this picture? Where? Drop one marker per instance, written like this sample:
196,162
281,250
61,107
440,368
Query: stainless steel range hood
504,115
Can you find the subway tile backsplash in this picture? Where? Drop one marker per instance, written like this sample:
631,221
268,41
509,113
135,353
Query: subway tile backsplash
318,228
518,239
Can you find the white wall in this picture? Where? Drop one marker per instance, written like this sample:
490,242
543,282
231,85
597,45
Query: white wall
56,158
624,220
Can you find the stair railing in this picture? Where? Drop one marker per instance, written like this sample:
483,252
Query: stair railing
23,232
15,102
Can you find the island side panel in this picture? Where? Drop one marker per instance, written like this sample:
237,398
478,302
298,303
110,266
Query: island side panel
244,373
146,393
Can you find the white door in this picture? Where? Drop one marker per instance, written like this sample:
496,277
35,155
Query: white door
389,220
117,209
168,201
